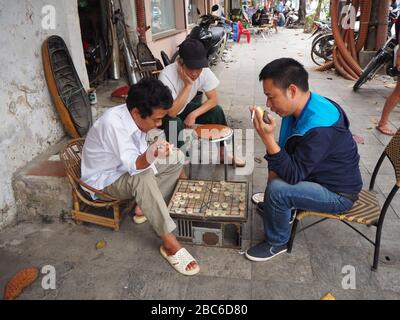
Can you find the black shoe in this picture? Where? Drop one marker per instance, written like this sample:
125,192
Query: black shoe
263,252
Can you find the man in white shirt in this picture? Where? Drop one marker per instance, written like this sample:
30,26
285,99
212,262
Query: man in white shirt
117,159
187,76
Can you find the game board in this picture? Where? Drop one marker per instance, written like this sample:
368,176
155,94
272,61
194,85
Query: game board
202,200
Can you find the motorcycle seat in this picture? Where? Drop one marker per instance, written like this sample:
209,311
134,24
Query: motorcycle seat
217,33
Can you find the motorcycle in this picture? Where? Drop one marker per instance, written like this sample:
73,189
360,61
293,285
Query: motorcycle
383,57
393,13
213,36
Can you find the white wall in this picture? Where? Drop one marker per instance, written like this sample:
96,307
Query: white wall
29,122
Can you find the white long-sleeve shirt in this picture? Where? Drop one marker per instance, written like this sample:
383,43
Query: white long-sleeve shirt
111,148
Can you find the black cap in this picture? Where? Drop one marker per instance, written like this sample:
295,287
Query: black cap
193,54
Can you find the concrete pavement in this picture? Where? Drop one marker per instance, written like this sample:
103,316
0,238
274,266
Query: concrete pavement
130,266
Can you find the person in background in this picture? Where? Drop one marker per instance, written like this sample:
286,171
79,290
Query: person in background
394,98
185,77
256,18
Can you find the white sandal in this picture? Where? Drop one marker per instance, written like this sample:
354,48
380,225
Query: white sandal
180,260
139,219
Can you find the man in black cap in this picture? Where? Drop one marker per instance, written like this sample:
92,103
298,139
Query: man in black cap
188,75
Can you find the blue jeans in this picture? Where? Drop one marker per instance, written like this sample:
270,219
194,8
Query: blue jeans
280,197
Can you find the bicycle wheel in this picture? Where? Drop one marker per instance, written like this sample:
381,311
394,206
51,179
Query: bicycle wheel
317,37
321,51
370,70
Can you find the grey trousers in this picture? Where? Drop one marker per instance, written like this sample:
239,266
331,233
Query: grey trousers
150,192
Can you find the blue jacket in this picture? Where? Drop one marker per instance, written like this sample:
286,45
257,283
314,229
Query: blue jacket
318,147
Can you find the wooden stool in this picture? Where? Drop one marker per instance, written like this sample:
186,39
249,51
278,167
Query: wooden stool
215,133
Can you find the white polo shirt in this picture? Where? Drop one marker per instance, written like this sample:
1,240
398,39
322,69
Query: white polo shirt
206,82
111,148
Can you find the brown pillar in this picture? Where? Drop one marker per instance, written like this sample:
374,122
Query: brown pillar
381,33
372,29
141,19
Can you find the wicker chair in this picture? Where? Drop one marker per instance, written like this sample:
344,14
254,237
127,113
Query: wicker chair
105,212
366,210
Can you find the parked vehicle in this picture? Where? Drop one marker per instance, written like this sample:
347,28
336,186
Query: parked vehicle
383,57
213,36
322,48
393,14
321,28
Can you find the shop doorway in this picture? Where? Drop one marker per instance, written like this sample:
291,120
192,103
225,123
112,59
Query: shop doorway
95,20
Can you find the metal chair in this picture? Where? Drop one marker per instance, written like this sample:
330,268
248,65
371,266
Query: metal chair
107,210
366,210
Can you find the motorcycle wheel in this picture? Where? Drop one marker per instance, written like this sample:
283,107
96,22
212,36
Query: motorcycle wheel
370,70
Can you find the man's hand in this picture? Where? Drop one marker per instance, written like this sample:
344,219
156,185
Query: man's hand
265,131
190,120
185,78
158,149
261,127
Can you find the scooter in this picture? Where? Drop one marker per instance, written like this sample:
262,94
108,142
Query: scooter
213,36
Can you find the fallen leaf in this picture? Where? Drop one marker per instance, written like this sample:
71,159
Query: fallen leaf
358,139
101,244
19,282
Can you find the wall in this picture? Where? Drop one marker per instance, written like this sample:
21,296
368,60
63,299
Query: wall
169,43
29,122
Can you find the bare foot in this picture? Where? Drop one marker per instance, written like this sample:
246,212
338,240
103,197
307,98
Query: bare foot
384,129
138,211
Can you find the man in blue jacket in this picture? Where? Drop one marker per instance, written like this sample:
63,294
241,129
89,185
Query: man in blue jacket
314,167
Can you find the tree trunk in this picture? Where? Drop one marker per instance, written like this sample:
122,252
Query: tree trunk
371,39
309,21
318,11
302,11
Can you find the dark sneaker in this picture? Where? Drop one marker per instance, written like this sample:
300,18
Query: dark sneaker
260,210
263,252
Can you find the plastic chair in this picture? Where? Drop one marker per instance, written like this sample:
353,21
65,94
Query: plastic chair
242,31
366,210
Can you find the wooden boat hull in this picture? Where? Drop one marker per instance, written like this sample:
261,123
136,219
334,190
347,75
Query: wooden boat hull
65,87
